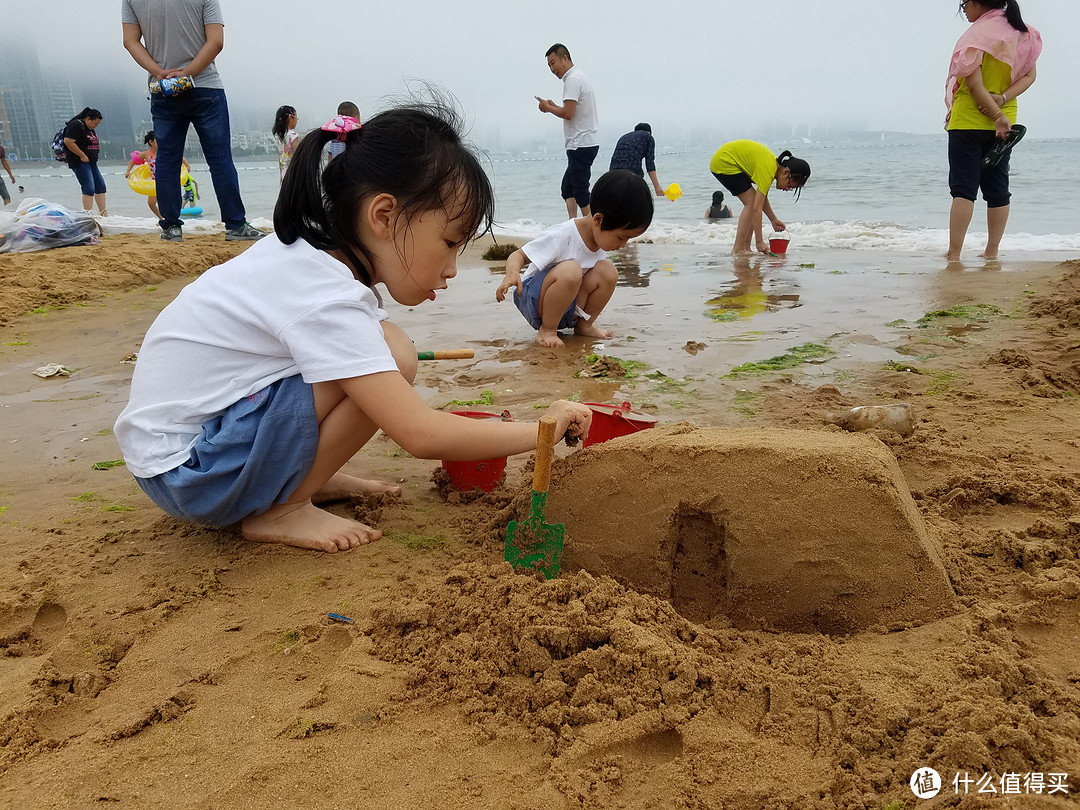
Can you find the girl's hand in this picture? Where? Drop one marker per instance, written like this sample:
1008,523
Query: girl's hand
762,247
778,225
512,279
1002,127
572,419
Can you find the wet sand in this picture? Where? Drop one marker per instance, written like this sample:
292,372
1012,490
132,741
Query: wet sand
152,663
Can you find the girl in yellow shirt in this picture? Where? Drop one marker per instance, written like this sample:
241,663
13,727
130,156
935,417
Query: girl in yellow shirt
741,165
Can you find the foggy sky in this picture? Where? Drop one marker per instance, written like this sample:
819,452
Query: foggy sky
687,67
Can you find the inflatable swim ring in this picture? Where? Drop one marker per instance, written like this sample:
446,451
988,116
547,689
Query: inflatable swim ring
142,183
194,211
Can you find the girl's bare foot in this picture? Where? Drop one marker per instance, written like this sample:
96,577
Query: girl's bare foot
591,330
341,487
549,338
305,525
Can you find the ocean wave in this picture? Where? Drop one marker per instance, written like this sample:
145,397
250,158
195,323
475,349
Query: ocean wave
192,225
853,235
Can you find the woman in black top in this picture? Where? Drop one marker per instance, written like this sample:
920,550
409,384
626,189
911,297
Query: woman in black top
718,210
82,155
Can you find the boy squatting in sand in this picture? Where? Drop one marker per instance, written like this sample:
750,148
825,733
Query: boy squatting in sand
269,372
569,279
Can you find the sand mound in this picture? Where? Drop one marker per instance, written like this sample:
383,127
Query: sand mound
614,685
795,530
64,276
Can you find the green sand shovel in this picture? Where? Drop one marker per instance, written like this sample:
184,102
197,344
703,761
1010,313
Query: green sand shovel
534,543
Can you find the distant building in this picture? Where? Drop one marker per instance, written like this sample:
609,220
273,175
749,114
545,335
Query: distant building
34,104
24,124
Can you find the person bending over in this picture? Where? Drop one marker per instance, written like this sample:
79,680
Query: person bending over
742,165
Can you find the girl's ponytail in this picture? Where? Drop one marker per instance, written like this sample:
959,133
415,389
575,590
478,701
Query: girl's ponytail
87,112
799,168
281,121
1012,14
414,153
301,210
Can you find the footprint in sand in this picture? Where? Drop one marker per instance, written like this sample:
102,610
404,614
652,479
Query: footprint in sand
47,628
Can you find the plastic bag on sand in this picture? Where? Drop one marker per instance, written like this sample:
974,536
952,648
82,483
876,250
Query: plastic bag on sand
39,225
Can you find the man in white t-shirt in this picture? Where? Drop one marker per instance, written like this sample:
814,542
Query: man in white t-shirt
578,112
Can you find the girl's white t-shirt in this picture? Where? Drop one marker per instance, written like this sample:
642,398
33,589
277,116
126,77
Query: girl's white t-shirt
559,243
272,312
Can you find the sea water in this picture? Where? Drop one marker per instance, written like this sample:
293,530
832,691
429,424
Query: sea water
889,195
865,261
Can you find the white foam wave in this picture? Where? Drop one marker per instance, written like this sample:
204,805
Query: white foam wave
192,225
853,235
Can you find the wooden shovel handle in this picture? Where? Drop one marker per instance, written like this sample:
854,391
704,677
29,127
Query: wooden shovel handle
446,354
545,449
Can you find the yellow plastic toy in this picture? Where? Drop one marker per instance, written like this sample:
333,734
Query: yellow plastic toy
141,182
673,192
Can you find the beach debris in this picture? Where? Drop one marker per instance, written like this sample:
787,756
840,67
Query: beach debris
693,346
499,253
897,417
337,617
604,366
53,370
894,365
130,359
107,465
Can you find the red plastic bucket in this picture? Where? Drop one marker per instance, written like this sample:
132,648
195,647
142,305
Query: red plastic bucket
612,421
778,245
484,475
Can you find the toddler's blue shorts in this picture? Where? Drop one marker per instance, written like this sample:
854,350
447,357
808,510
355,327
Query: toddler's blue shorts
528,303
250,457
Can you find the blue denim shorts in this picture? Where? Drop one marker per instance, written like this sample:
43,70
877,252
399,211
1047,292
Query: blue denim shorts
90,180
528,303
250,457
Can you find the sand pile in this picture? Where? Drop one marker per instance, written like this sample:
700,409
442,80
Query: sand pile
614,683
65,276
796,530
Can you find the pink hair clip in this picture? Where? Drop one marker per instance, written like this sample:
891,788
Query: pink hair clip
342,125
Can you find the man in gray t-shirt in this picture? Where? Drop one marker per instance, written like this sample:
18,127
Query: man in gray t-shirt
174,38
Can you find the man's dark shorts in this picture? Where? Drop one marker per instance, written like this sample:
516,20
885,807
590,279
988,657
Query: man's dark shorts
575,181
967,148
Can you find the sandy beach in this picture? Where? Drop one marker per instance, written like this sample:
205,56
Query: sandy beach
756,609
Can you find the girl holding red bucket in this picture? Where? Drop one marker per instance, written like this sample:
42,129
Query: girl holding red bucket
742,165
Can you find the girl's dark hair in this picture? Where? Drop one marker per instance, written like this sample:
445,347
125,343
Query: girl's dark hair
281,121
87,112
799,168
414,152
149,137
718,198
1012,12
624,199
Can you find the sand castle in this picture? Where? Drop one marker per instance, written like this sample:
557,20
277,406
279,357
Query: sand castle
781,529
